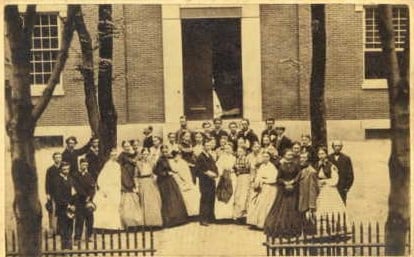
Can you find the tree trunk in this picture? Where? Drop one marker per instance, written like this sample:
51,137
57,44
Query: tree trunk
87,72
398,220
106,103
317,84
100,106
21,123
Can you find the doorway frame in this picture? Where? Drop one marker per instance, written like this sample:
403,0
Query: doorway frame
173,59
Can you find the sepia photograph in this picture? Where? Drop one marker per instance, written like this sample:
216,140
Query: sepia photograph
206,128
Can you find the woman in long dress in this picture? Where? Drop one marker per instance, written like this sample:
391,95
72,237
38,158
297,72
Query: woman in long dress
329,201
225,163
198,144
130,208
264,192
187,153
150,198
183,177
242,170
285,219
173,208
108,195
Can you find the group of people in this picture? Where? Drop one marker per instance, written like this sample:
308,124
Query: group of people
270,183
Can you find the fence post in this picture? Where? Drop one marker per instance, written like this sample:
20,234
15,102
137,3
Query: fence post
111,242
103,243
369,239
353,239
144,241
151,241
119,240
361,239
127,240
95,242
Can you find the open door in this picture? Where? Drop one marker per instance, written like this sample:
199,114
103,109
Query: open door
212,68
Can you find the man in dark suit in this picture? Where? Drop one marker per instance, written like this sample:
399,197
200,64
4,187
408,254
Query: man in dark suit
270,131
233,134
85,185
64,199
183,129
218,132
70,154
247,134
206,171
92,157
50,182
281,142
345,169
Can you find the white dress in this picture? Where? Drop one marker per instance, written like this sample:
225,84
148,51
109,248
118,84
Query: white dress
108,197
188,189
329,201
225,210
262,200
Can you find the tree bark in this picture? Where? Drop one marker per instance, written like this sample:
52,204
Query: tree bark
398,220
106,102
317,84
20,125
99,104
87,72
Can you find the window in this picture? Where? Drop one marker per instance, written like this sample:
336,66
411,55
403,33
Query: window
45,47
374,64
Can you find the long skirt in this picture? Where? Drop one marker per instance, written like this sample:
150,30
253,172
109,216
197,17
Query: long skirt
173,208
260,205
329,202
224,210
150,202
284,219
107,214
241,196
130,210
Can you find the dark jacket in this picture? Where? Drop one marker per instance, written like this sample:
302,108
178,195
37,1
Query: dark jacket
127,162
161,169
249,136
85,185
51,174
65,195
93,164
71,157
345,170
204,163
217,135
282,144
148,142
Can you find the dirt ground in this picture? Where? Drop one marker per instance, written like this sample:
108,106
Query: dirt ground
367,201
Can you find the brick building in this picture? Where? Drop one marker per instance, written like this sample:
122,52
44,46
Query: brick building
167,60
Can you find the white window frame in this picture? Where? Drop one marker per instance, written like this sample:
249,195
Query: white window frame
37,89
370,83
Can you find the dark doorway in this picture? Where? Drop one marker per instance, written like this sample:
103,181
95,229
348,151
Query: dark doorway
212,68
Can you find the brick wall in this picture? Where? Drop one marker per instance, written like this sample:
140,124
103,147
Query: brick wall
284,64
286,86
70,109
144,63
345,98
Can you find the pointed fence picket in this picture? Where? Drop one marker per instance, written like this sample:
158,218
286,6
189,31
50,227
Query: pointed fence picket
103,244
333,237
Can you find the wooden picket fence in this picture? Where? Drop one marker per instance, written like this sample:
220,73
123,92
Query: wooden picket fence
334,237
105,243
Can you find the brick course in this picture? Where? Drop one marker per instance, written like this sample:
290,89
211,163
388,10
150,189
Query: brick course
285,43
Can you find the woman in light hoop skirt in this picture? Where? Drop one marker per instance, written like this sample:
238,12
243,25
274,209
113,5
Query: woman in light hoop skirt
329,201
108,195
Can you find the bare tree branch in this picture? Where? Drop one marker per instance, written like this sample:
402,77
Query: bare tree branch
67,36
87,72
